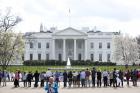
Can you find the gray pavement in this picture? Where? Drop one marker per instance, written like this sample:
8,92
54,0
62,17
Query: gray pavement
10,89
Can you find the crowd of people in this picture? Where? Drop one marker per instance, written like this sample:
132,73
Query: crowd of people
84,78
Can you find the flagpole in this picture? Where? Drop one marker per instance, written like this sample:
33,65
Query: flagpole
69,18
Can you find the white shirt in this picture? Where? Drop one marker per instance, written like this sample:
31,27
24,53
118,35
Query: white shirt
82,75
105,74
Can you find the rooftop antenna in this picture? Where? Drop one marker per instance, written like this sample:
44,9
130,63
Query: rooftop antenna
69,17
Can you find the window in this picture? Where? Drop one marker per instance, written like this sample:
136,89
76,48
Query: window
31,56
39,45
59,45
80,45
39,56
47,56
108,57
91,45
79,56
47,45
31,45
108,45
59,57
100,57
100,45
92,57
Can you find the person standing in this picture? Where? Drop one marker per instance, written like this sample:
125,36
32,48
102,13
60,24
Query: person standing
70,78
121,75
65,75
93,75
24,78
36,76
48,75
87,78
51,86
99,77
29,79
4,76
127,75
78,79
114,78
42,79
56,75
74,78
16,80
111,78
135,77
82,77
0,77
105,78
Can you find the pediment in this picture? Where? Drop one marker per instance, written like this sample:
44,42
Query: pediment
70,31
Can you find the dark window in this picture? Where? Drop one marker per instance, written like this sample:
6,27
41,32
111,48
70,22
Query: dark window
59,57
108,45
100,45
108,57
39,56
39,45
100,57
92,57
47,56
79,56
31,56
59,45
80,45
31,45
47,45
92,45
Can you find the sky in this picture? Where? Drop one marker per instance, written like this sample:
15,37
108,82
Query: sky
105,15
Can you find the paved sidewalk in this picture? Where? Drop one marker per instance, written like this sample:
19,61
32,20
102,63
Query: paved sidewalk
10,89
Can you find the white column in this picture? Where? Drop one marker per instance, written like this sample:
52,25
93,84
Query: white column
64,50
75,56
85,49
53,49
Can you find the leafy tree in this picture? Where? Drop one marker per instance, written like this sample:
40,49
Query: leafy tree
126,49
11,43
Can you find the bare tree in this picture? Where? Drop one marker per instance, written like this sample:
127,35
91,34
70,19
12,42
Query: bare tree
11,44
126,49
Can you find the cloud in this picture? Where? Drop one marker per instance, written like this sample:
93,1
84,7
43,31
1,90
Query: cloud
107,15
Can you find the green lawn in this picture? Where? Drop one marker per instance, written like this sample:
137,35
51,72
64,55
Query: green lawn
44,68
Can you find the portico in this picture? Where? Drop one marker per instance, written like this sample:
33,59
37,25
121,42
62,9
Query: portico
70,43
75,49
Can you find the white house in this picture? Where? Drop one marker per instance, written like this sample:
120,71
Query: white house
69,42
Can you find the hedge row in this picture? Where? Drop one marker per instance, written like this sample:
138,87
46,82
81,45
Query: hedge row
63,63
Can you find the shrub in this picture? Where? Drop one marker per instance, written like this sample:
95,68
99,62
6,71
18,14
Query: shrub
63,63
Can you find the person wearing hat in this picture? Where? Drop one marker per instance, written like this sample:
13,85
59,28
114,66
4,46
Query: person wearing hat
51,86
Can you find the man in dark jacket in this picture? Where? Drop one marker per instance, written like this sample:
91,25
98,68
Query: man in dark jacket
121,75
114,78
36,75
93,75
99,77
29,78
65,78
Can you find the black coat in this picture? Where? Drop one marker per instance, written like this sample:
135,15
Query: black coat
65,76
29,77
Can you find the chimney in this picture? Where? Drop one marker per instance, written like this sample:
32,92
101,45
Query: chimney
41,27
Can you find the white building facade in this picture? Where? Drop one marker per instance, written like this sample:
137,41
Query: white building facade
69,43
